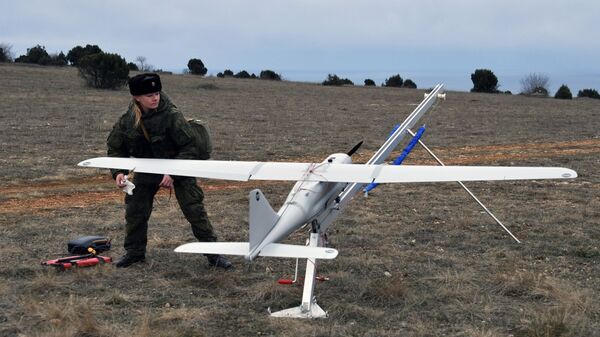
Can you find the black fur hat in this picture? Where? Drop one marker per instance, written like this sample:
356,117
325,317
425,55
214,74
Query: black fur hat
146,83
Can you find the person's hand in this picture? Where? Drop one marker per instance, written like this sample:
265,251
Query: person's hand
120,180
166,182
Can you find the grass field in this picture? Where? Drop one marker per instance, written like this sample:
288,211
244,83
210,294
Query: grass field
415,259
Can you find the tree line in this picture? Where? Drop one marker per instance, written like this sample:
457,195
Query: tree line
105,70
394,81
534,84
111,71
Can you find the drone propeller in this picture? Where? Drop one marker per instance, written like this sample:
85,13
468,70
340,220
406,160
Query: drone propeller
355,148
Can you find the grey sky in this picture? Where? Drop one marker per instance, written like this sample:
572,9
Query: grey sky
306,39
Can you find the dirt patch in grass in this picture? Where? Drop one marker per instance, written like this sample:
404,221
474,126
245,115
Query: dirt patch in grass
48,195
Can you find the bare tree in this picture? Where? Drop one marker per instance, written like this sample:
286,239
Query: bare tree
535,84
142,64
6,53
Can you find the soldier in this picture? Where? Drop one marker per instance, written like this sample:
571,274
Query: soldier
153,127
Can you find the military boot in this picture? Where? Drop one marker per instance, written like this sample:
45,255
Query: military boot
217,260
127,260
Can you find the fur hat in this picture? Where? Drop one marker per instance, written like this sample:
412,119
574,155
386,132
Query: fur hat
146,83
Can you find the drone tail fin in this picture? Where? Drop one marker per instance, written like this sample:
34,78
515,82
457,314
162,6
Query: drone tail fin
262,217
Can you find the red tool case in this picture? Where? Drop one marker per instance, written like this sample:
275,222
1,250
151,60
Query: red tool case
77,261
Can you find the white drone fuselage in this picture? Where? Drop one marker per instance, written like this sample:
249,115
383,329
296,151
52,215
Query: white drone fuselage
305,203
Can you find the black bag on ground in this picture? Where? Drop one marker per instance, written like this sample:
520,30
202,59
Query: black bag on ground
82,244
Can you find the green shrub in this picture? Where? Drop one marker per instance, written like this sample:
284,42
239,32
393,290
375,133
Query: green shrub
563,93
103,70
591,93
369,82
58,59
39,55
227,72
333,79
6,54
132,66
36,55
3,56
196,67
243,74
484,80
394,81
408,83
75,54
270,75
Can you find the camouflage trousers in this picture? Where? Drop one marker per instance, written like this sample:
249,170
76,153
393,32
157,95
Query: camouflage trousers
138,208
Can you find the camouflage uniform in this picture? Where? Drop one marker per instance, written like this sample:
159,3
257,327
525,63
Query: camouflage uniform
170,137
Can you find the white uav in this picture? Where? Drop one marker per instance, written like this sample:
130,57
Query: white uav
320,194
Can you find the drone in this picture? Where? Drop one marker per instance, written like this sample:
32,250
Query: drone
321,192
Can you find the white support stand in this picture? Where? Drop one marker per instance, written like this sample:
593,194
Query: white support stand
309,307
467,190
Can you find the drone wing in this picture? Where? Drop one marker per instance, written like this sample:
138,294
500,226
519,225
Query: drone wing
325,172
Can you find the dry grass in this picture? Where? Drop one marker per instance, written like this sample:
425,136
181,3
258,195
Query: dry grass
415,259
554,321
524,283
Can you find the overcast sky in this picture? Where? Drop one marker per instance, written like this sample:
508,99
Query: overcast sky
427,41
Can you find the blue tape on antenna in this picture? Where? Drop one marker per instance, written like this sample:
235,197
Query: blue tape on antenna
403,155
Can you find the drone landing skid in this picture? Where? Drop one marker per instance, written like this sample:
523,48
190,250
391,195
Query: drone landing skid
309,307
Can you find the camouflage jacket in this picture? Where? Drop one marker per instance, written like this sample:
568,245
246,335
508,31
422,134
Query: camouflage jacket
169,132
